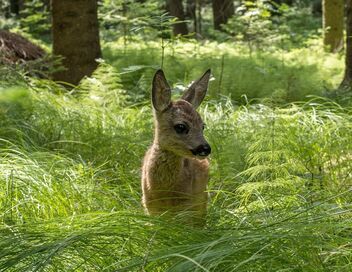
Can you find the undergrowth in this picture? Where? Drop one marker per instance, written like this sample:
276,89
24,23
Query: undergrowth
280,188
276,73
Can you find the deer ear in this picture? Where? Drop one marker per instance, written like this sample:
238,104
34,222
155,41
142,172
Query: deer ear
161,92
196,92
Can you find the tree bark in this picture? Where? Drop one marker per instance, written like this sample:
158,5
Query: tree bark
347,80
333,21
15,7
199,5
75,38
317,8
222,11
175,9
191,13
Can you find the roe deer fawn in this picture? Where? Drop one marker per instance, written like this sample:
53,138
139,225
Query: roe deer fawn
175,168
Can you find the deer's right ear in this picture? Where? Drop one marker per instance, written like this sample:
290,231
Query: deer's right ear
161,92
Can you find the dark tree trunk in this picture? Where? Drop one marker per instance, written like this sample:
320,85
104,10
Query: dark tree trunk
222,11
191,14
317,7
348,61
175,9
333,21
199,4
15,7
75,38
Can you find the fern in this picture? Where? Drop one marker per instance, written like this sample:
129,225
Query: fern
103,87
272,170
293,156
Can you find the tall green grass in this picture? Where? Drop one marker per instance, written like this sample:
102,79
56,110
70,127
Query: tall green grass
284,76
280,188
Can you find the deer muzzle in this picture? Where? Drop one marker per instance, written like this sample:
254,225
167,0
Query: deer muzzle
202,150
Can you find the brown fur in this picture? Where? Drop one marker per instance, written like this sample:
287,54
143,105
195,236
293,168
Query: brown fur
173,179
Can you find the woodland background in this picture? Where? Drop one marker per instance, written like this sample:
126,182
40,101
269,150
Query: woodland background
76,120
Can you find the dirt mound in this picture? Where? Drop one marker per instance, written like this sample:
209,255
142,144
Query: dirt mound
14,48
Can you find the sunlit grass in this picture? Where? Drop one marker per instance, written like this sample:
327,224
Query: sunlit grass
284,76
70,185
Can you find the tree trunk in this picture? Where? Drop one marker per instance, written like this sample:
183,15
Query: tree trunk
333,20
222,11
199,4
15,7
191,13
175,9
348,59
75,38
317,8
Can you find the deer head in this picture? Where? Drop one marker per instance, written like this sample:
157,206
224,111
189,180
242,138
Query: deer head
178,126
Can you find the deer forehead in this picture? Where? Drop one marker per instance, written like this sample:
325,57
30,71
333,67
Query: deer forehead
182,110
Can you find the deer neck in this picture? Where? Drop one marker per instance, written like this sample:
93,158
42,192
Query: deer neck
168,165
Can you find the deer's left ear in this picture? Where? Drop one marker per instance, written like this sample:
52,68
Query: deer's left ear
196,92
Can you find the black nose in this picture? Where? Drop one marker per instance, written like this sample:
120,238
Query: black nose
202,150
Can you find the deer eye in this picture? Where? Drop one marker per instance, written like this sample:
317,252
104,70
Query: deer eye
203,127
181,129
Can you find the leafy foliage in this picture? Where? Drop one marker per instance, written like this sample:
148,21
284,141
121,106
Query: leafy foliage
122,18
35,18
259,25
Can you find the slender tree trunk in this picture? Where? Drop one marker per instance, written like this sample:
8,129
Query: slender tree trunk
333,21
317,7
75,38
175,9
199,4
348,61
15,7
191,6
222,11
